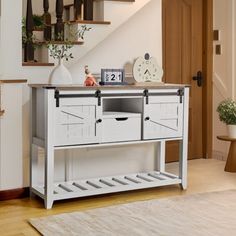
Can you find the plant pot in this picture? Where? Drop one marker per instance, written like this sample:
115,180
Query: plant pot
60,75
38,35
231,131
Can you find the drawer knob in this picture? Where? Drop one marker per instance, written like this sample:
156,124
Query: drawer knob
147,118
99,121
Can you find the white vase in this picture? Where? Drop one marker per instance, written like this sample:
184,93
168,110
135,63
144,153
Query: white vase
60,75
231,131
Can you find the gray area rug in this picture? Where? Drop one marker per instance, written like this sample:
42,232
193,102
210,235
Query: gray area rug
203,214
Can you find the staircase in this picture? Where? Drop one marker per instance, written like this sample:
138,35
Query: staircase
102,11
124,11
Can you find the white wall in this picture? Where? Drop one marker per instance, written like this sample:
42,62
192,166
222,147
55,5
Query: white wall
10,37
101,32
142,33
224,85
0,43
11,161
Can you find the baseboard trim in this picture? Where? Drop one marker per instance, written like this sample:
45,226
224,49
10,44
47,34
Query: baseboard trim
219,155
14,194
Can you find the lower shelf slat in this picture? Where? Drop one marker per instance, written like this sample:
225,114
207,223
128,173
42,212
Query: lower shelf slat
89,187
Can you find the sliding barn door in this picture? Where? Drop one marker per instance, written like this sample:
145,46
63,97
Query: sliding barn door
77,121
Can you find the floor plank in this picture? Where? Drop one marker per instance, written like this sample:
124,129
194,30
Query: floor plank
204,176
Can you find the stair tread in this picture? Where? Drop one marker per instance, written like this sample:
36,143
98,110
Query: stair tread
66,6
96,22
58,42
37,64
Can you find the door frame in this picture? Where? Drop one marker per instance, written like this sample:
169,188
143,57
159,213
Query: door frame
207,70
208,74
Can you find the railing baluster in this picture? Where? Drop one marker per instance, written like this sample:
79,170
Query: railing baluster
29,48
77,9
88,9
59,27
47,21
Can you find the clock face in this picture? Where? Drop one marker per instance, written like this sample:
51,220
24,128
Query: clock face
146,69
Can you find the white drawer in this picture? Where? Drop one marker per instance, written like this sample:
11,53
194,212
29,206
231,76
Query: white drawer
118,126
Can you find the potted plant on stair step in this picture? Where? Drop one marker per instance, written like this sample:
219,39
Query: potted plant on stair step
227,114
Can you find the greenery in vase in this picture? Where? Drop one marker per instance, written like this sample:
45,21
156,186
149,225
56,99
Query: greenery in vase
227,111
62,51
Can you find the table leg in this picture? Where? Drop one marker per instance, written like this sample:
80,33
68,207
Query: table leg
231,160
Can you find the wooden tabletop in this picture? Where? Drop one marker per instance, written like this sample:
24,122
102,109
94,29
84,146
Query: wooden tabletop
226,138
111,87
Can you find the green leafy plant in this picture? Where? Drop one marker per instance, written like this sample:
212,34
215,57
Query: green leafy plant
62,51
227,111
38,24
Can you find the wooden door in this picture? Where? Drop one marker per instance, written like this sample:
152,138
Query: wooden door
182,59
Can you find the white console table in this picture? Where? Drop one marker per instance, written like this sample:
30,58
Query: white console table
74,117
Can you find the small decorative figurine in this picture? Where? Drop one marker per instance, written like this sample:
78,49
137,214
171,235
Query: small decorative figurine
90,79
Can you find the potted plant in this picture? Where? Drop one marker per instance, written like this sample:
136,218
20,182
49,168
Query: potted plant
60,51
227,114
37,32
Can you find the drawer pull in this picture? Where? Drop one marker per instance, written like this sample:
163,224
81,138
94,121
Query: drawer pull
122,119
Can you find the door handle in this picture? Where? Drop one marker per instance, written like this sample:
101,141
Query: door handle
198,78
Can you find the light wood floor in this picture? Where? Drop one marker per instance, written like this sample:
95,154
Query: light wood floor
204,176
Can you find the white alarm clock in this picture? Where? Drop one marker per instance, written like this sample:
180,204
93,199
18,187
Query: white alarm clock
146,69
